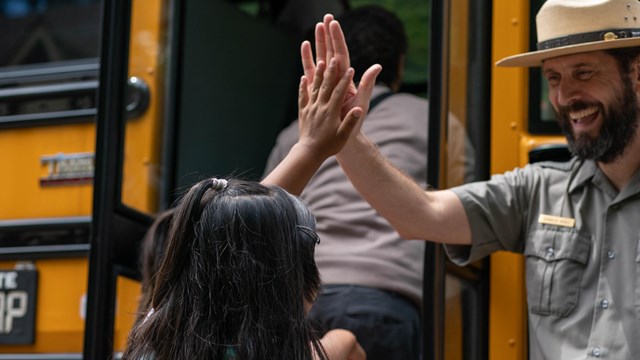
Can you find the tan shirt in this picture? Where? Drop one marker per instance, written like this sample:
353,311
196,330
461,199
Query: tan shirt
583,278
357,245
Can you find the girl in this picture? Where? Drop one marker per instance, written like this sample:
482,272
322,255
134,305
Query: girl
236,281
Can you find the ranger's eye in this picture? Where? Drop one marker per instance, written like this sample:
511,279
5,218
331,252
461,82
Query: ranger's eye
584,74
553,79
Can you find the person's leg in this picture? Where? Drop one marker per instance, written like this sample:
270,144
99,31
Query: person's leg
387,325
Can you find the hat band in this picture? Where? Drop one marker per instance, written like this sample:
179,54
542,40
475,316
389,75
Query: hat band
606,35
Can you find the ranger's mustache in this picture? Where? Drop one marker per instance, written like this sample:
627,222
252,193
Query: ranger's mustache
575,106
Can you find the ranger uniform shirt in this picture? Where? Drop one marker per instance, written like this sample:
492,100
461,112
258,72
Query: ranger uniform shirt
581,241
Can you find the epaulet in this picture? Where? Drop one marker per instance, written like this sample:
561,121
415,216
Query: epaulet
558,165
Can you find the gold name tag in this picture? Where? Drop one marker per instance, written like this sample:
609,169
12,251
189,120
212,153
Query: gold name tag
556,220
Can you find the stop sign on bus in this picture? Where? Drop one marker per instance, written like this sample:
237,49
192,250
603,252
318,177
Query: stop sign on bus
17,306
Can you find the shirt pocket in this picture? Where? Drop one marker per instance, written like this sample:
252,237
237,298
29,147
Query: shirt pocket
556,258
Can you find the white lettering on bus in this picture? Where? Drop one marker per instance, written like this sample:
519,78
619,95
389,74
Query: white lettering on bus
8,280
12,305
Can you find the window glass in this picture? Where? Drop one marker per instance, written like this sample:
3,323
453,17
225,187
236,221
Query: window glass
467,72
542,119
44,31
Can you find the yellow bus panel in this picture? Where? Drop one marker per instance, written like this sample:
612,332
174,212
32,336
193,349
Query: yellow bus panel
21,158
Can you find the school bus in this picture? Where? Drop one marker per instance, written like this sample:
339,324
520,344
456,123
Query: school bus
109,109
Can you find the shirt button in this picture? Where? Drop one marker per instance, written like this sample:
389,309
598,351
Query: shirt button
611,254
596,352
604,304
550,252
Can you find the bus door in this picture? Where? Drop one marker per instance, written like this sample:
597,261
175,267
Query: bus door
221,82
456,299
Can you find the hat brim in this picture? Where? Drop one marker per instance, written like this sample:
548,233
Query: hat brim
535,58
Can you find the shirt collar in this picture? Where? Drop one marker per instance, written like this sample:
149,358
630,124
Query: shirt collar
587,170
583,171
633,187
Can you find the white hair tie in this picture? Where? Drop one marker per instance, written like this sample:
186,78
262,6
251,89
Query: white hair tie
219,184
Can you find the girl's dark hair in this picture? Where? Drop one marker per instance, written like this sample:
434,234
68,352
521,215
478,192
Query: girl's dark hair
238,267
151,252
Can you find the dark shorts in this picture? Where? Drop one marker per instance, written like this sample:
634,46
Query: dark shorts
386,324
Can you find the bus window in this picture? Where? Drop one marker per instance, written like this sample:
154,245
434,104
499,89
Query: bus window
45,31
543,141
542,119
48,82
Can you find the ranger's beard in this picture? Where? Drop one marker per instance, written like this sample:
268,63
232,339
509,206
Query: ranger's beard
618,129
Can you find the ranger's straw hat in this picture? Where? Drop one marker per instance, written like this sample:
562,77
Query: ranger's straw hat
575,26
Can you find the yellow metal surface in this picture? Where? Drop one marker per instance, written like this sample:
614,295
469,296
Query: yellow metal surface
453,330
143,134
507,310
458,81
528,142
59,308
21,151
509,89
126,307
507,326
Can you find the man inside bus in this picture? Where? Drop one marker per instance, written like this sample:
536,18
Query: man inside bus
575,222
372,279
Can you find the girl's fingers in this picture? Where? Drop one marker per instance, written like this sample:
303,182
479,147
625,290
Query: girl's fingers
329,82
308,64
303,93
